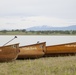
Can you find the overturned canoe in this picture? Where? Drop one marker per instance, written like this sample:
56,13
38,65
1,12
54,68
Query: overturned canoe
9,52
32,51
68,48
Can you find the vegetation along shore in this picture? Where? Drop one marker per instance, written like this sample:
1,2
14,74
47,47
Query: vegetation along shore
25,32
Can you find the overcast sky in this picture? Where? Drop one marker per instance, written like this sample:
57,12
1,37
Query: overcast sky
21,14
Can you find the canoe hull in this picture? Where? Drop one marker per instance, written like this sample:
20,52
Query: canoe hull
32,51
68,48
9,53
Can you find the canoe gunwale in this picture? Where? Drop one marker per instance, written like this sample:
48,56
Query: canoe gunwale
33,44
61,44
9,45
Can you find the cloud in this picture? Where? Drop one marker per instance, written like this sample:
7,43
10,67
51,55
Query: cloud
26,22
26,13
53,8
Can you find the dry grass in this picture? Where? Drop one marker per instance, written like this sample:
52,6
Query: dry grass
43,66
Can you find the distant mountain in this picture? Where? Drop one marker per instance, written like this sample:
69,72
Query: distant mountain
45,27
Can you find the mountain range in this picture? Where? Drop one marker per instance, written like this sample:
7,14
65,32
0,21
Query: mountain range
45,28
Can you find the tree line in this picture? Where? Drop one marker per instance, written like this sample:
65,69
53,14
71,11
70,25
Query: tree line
48,32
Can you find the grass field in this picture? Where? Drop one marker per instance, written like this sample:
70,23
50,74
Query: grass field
42,66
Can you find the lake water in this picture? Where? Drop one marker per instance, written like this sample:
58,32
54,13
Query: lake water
32,39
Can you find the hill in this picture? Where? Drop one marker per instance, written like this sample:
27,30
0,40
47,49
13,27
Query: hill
45,28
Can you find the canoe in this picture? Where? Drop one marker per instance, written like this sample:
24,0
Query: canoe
67,48
32,51
9,52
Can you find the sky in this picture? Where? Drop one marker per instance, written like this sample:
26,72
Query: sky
22,14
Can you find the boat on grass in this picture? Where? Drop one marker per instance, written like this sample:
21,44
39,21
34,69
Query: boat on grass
9,52
61,49
32,51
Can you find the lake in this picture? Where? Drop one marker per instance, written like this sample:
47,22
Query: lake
32,39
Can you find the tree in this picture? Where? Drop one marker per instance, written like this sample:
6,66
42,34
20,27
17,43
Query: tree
4,31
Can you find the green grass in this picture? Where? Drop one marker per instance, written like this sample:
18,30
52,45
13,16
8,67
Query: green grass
42,66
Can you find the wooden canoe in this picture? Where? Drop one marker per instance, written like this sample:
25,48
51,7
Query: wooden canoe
68,48
32,51
9,52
